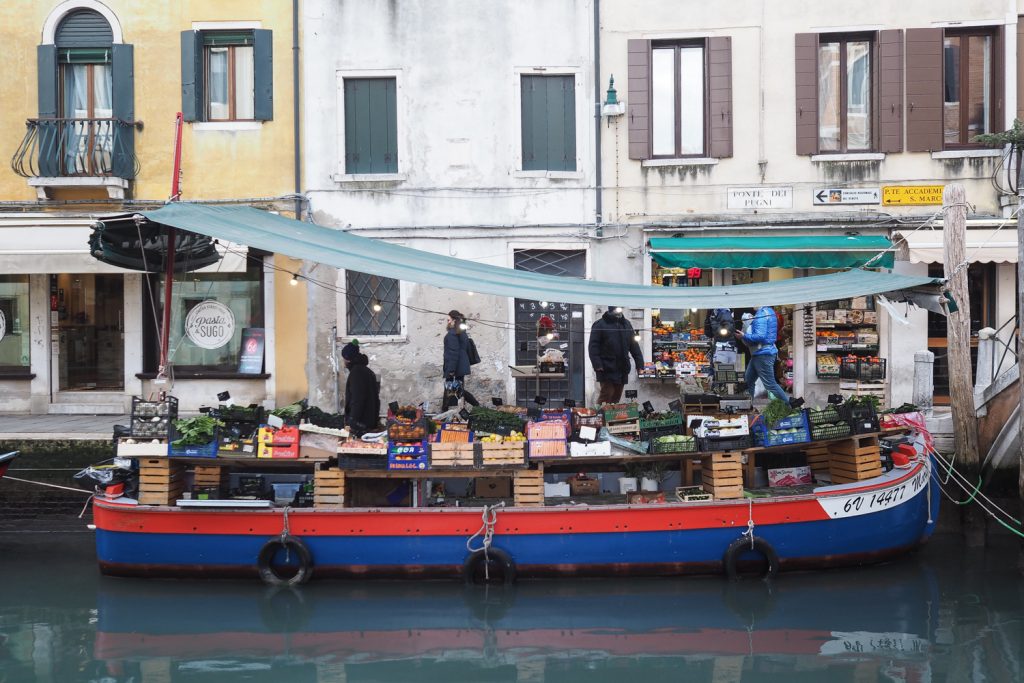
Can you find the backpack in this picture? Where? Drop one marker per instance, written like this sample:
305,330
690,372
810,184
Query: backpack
474,357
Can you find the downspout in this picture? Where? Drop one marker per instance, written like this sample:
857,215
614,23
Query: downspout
598,220
296,131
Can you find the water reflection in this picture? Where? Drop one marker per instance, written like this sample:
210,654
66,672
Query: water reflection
941,615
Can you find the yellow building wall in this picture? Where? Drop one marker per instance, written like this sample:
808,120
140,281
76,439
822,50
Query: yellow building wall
216,164
290,307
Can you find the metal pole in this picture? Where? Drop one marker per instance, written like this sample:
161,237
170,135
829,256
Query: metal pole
598,199
165,334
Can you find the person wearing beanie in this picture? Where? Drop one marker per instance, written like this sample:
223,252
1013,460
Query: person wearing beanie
612,342
456,363
362,392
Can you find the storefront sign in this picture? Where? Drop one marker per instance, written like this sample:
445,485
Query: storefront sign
860,195
250,358
760,197
210,324
917,195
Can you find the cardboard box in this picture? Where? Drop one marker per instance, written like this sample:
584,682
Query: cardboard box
557,490
142,448
282,442
408,456
580,486
493,487
590,450
789,476
314,446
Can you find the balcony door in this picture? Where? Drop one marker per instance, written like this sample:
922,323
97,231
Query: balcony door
87,110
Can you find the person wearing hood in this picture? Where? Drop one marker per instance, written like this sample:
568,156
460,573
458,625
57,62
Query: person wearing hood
362,393
612,342
760,338
457,359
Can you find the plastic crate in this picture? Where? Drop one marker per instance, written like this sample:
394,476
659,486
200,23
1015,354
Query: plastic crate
620,412
861,418
558,368
647,434
674,420
849,367
208,450
766,436
165,408
826,432
546,431
362,462
687,445
871,370
735,443
827,415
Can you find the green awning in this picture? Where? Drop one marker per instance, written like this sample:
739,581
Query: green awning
826,251
334,247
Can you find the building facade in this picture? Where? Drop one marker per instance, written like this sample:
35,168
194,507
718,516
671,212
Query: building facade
91,97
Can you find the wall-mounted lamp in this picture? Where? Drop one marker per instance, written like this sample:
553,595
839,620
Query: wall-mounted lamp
612,106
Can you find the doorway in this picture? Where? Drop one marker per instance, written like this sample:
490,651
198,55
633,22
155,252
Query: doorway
87,323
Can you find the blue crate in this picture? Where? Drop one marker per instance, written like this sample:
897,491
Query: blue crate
763,437
205,451
412,455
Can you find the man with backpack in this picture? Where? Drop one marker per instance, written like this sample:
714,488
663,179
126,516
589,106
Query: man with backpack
459,354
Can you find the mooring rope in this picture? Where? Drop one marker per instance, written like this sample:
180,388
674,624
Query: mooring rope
750,522
52,486
489,518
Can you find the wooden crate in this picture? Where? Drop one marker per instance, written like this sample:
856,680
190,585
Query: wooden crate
452,454
724,492
209,475
865,444
329,488
503,454
722,474
849,388
625,427
161,481
528,488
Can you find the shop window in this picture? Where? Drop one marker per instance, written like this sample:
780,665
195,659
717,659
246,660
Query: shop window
679,345
14,323
209,316
373,305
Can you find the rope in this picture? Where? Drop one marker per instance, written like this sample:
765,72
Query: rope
750,522
488,518
52,486
285,533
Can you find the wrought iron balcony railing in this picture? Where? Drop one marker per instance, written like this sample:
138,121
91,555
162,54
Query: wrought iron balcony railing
92,148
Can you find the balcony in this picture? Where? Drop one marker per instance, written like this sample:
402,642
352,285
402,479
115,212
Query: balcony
78,153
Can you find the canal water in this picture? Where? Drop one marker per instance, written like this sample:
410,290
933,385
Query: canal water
942,614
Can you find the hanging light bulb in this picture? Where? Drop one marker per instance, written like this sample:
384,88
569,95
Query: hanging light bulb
376,307
295,279
470,293
693,310
618,309
550,335
543,304
463,326
636,337
723,331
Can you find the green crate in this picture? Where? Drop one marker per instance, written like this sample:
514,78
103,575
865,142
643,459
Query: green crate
620,412
671,421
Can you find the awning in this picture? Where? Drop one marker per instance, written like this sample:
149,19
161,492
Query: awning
333,247
825,251
982,245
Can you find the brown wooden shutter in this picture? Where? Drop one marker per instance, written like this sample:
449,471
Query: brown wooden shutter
720,97
1020,68
924,89
890,91
806,59
639,98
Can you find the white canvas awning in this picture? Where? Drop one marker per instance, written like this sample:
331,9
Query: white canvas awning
984,245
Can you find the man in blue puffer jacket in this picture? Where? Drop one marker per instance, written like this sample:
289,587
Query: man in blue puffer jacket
761,337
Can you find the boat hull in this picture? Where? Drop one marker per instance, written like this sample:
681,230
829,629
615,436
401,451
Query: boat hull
836,526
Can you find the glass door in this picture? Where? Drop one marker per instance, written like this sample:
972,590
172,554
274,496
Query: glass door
89,326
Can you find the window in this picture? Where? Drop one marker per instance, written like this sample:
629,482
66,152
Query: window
227,75
85,83
373,304
240,293
967,87
371,125
680,98
549,122
228,67
677,100
844,95
14,323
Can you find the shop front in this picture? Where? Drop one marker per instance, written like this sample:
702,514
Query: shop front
823,348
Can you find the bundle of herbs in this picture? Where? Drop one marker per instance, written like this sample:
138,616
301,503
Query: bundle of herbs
196,431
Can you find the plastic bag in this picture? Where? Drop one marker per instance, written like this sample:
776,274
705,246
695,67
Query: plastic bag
103,475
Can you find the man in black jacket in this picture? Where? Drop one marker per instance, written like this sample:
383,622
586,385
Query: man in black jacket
612,342
362,394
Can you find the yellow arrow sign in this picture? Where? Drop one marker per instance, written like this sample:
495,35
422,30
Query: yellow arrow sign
894,195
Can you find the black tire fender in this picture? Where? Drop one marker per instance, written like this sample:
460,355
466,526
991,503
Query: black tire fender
292,544
500,562
744,544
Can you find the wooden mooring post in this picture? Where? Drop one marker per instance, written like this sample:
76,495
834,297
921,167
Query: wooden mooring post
958,331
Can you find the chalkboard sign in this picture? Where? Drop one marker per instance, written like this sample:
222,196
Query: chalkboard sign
250,353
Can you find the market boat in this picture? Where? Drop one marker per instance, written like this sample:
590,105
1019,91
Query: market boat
5,461
829,526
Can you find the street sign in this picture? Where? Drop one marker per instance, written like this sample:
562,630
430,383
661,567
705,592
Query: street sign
897,195
858,195
760,197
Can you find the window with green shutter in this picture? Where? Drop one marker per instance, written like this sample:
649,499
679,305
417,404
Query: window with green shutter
371,126
549,123
227,75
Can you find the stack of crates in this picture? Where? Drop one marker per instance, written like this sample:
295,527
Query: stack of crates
161,481
854,459
329,488
722,475
209,482
528,487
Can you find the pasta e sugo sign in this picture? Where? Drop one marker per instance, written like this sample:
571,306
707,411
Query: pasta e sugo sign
210,324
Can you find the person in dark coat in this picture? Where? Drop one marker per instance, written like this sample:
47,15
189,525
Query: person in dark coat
362,393
456,361
612,342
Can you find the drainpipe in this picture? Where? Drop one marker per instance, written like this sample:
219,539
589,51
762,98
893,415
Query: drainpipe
295,111
597,116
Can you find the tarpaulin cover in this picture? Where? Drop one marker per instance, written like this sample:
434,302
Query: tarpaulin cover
813,251
333,247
